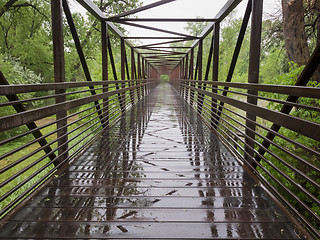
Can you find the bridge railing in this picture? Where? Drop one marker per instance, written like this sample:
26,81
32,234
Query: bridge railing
285,161
274,130
280,146
30,144
45,126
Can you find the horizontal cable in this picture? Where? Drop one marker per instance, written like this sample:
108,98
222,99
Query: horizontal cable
304,127
311,92
24,88
19,119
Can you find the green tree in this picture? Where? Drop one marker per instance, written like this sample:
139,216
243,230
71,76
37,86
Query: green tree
195,28
25,34
229,35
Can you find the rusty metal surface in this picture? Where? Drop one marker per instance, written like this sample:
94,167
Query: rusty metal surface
156,174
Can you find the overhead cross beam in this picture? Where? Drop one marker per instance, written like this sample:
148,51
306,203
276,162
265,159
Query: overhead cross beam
160,38
165,47
161,43
158,29
162,51
226,9
164,20
147,7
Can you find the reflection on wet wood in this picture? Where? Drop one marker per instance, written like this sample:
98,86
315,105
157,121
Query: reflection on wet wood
158,173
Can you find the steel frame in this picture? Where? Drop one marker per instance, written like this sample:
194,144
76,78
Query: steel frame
110,98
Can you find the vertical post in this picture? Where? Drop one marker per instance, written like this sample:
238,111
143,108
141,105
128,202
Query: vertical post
127,65
186,91
59,76
235,56
133,66
143,76
200,95
215,72
200,54
147,70
123,72
148,76
181,88
139,76
104,39
186,77
191,64
191,75
139,67
187,67
253,77
182,69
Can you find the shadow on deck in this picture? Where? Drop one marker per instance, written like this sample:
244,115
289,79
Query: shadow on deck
158,173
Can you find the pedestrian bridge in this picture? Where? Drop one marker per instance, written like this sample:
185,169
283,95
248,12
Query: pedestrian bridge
140,157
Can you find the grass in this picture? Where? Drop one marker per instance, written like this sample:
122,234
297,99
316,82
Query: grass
23,164
83,131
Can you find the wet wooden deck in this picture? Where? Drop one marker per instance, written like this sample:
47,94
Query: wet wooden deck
159,173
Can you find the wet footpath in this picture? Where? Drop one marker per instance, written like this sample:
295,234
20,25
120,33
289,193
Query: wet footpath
159,173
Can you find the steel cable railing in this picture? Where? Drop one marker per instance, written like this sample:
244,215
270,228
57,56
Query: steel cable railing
290,168
24,164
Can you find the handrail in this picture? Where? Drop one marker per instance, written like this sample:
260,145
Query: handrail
231,130
25,88
19,119
284,159
308,128
83,125
298,91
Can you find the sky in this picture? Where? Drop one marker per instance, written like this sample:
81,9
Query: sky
184,9
188,8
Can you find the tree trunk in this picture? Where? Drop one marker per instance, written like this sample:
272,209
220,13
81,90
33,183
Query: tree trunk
294,33
317,7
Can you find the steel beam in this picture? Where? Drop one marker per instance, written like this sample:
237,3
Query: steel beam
105,77
253,77
226,9
165,20
303,80
32,126
158,30
149,6
236,53
215,70
81,54
59,76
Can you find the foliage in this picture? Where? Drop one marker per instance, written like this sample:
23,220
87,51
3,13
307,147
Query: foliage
312,21
195,28
15,73
273,57
290,78
164,77
274,69
25,34
229,37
